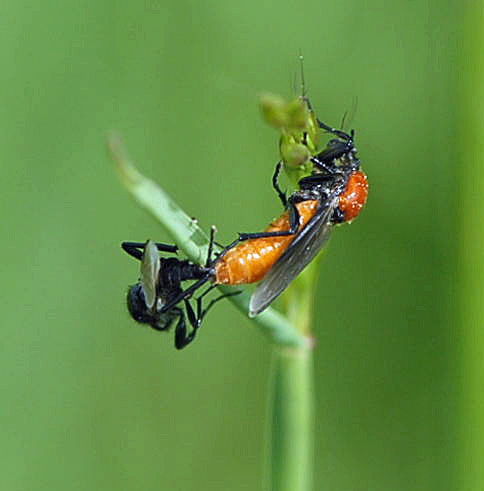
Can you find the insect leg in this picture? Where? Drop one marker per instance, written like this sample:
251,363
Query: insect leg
275,184
181,337
185,294
207,291
136,249
334,131
203,312
181,333
293,226
210,246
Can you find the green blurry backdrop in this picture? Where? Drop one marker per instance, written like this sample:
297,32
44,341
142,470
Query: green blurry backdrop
92,401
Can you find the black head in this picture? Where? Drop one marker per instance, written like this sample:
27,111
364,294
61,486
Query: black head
143,314
137,307
140,311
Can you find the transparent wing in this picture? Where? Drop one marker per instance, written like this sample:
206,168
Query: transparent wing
301,251
150,269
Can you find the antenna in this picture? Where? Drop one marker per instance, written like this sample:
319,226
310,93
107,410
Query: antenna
348,116
342,125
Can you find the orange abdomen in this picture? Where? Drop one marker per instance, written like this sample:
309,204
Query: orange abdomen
250,261
352,200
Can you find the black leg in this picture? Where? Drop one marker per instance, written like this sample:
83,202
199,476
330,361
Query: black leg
293,226
265,235
206,292
203,313
181,333
305,138
334,131
194,319
275,185
210,246
182,339
293,218
136,249
185,294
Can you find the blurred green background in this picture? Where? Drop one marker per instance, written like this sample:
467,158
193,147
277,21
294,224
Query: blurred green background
92,401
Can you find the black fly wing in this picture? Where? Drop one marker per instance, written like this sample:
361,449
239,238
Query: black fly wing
150,269
296,257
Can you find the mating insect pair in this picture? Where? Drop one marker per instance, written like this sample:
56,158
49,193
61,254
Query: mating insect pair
334,193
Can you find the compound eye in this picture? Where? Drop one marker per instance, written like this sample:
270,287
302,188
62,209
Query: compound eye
137,304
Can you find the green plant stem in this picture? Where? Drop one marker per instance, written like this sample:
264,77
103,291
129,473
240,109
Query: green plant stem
192,240
292,395
470,257
292,420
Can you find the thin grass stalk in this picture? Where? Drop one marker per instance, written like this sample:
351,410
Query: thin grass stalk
470,257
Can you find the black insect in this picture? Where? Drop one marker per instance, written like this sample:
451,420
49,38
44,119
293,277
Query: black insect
150,301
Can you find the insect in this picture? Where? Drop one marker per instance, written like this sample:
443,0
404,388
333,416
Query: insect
160,283
334,193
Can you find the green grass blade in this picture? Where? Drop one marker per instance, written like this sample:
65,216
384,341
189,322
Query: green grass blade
292,420
470,290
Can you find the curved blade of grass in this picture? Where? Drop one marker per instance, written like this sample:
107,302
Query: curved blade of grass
191,239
